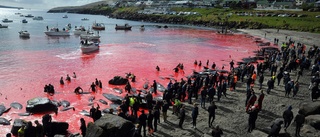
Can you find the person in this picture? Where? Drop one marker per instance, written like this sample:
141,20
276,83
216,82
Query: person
149,99
231,64
182,116
156,118
92,112
143,122
39,129
93,87
260,99
47,28
203,97
68,78
299,119
154,85
77,90
83,127
165,107
261,79
74,75
295,88
150,119
177,104
287,116
97,114
158,68
8,135
128,87
216,132
212,113
100,84
61,81
194,115
251,100
253,115
270,84
21,131
97,82
30,130
275,129
137,131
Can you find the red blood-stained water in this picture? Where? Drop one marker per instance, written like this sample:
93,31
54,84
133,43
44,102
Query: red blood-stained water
24,73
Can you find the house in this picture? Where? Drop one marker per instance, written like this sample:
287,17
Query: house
317,4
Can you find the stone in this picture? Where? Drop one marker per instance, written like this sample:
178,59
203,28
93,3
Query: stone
115,126
310,108
17,124
118,80
308,129
314,121
111,126
39,104
94,131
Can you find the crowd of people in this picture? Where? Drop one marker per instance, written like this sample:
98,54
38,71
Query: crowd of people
291,58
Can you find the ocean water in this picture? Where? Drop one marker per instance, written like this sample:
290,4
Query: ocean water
26,65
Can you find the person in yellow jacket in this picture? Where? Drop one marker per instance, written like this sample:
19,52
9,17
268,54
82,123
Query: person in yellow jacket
21,131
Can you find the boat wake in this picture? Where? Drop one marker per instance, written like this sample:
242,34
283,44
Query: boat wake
73,55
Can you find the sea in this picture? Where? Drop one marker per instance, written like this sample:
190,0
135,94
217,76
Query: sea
27,65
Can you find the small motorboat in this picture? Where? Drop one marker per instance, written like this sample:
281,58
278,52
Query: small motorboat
29,16
124,27
37,18
84,19
142,28
65,16
56,32
6,20
98,26
24,21
3,26
88,46
79,30
24,34
89,35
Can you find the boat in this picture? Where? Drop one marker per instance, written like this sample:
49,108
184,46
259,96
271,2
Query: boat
89,35
79,30
124,27
65,16
84,19
88,46
6,20
24,34
29,16
24,21
3,26
98,26
56,32
142,28
37,18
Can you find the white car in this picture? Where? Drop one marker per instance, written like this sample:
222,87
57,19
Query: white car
318,16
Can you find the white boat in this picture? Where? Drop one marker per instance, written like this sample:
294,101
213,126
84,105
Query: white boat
89,35
57,32
24,34
88,46
24,21
65,16
29,16
3,26
98,26
6,20
37,18
79,30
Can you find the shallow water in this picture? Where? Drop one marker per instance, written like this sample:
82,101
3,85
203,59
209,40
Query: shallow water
26,65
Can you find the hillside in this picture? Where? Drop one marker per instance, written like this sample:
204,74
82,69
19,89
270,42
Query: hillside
80,9
2,6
